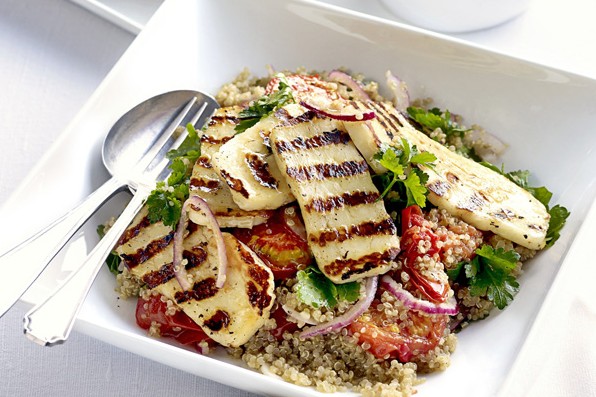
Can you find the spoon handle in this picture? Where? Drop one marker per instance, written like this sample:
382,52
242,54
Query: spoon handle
25,262
51,321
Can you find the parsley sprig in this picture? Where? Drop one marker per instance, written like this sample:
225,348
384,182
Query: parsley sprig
316,290
265,105
402,164
489,274
558,213
165,201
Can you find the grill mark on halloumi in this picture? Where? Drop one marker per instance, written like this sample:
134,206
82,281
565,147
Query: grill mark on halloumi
200,290
149,251
326,171
132,232
346,269
166,272
348,229
259,169
351,199
328,138
364,229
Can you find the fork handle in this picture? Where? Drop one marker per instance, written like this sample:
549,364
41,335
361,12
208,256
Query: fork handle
51,321
25,262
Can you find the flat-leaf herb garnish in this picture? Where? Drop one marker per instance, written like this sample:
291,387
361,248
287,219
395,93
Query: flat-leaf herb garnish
489,274
265,105
316,290
165,201
402,165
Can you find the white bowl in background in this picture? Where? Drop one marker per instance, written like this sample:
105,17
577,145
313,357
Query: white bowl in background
456,16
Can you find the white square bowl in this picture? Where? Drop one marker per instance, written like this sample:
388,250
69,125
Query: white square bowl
545,116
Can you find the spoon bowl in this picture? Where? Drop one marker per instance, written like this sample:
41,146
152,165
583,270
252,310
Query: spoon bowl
138,130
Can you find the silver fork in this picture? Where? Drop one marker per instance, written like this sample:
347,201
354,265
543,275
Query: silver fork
50,322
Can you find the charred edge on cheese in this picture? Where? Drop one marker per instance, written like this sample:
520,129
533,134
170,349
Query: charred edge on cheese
134,231
386,117
365,229
142,255
350,199
234,183
256,289
201,290
327,138
286,120
158,277
221,119
260,171
347,268
324,171
204,162
204,185
218,321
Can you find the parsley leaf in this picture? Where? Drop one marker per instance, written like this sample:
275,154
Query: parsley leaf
558,217
113,259
316,290
489,274
400,163
434,118
165,201
265,105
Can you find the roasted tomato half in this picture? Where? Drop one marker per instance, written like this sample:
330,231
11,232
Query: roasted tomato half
280,242
418,240
391,340
178,326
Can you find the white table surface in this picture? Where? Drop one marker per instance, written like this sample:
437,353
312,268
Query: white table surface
53,54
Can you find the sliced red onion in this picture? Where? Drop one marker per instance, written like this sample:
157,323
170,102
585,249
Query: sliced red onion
298,316
348,81
342,117
210,221
413,303
401,96
348,317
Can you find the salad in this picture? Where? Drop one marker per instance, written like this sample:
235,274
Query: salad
330,236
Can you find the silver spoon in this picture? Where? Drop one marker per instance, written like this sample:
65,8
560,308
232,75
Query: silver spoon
134,138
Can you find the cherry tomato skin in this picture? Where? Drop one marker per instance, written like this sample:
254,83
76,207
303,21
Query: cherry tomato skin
283,324
390,341
278,244
178,326
414,231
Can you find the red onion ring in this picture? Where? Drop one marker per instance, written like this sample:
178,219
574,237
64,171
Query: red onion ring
342,117
411,302
348,317
347,80
401,96
198,204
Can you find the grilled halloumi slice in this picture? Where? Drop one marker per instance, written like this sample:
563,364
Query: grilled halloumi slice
230,315
471,191
205,180
369,137
247,166
348,229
